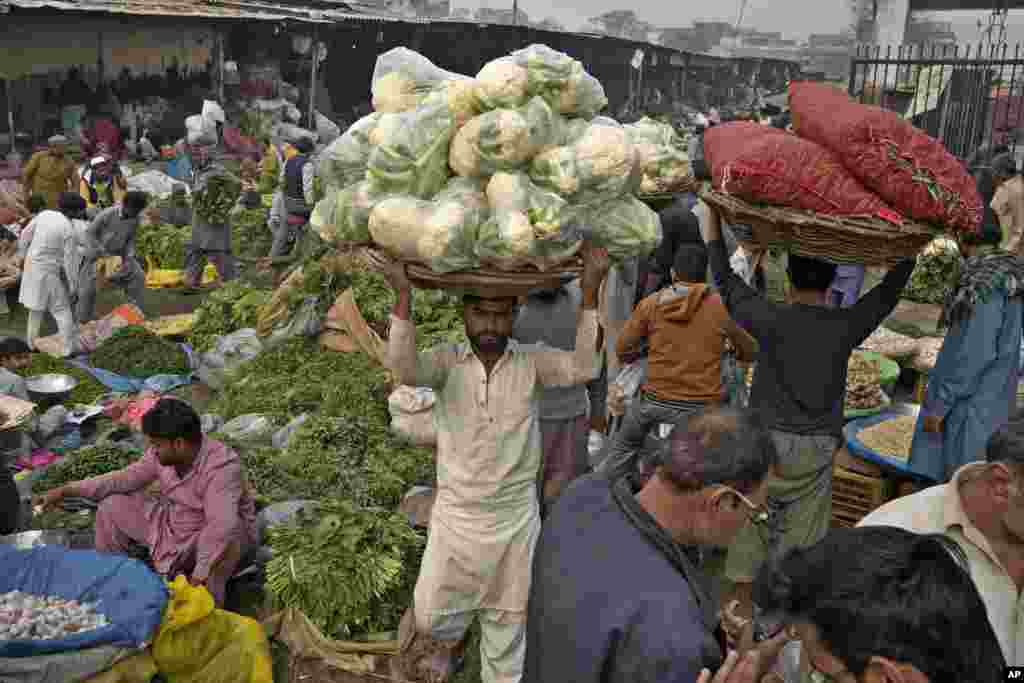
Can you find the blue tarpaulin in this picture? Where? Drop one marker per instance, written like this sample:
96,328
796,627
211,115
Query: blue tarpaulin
133,385
126,591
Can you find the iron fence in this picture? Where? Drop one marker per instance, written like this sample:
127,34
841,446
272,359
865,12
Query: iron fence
969,97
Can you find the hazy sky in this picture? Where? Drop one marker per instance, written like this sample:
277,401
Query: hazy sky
794,18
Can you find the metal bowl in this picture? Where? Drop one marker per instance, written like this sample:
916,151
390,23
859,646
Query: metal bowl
34,539
52,388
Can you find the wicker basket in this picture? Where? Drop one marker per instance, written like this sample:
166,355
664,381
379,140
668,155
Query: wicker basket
482,282
870,241
855,495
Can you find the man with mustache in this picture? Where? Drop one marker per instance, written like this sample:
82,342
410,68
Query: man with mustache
485,523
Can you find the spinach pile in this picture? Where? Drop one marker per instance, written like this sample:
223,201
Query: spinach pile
134,351
85,392
162,245
84,463
214,203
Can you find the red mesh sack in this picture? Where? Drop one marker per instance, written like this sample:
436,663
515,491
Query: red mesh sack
910,170
763,164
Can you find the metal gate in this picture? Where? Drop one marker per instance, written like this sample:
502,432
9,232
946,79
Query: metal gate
966,96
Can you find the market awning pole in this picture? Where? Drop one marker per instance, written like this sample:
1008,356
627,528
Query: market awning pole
312,79
220,67
10,112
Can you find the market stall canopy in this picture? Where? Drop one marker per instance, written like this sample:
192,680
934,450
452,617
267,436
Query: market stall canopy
17,60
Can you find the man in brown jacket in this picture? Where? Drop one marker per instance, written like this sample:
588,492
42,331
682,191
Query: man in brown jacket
687,327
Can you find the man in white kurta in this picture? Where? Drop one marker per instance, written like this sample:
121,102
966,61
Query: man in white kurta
44,283
486,520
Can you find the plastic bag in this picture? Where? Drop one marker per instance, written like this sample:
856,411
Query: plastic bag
211,423
304,322
627,228
283,513
529,225
601,165
624,388
503,139
153,183
344,215
292,133
51,421
200,131
411,400
412,414
69,666
403,78
326,130
540,70
253,427
343,162
213,113
414,158
228,352
442,233
197,643
283,435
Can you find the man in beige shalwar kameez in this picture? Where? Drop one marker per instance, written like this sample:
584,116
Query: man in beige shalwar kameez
486,521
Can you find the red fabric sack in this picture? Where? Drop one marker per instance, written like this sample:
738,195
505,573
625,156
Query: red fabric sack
910,170
763,164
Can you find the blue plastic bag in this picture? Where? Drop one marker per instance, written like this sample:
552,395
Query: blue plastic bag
126,591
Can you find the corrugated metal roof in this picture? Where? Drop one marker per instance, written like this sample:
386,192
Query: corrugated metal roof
214,9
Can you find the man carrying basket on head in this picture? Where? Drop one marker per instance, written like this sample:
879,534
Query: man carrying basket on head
486,521
799,387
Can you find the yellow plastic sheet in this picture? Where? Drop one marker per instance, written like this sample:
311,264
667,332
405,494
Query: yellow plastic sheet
172,325
138,669
197,643
158,278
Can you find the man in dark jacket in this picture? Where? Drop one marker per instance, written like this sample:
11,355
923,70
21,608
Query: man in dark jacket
587,624
799,386
297,184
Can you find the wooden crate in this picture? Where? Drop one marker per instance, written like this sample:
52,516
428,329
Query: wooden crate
855,495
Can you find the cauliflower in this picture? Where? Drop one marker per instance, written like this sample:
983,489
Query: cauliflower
387,125
440,234
502,139
625,227
394,93
501,84
461,96
582,95
344,216
601,165
413,159
527,226
343,162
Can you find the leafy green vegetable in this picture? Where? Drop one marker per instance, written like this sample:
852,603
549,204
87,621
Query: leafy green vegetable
436,313
214,203
300,377
355,458
134,351
350,570
85,463
88,389
233,307
250,236
57,518
163,245
935,274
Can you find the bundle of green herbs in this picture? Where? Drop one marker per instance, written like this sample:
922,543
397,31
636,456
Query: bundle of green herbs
250,235
232,307
134,351
936,273
162,245
214,203
84,463
351,570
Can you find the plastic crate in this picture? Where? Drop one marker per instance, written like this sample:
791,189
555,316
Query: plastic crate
855,495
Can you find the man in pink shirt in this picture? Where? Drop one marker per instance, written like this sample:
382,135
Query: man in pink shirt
200,523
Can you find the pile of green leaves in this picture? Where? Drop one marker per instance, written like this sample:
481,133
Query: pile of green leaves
134,351
350,570
436,313
250,236
255,124
86,392
230,308
214,203
935,274
84,463
355,458
301,377
163,245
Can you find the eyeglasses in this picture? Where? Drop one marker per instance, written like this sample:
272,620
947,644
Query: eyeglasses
758,514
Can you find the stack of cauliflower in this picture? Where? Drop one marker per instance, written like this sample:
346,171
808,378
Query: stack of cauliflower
507,170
